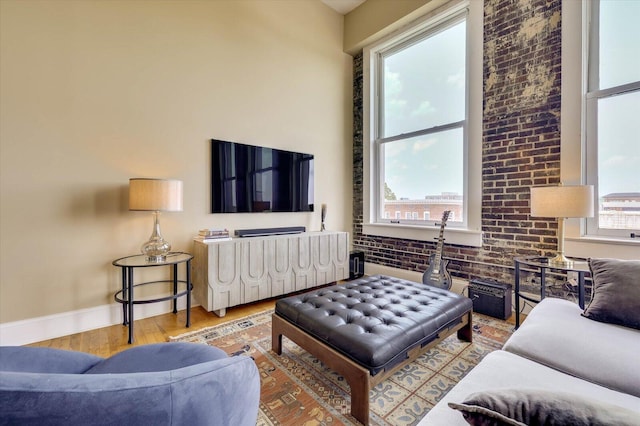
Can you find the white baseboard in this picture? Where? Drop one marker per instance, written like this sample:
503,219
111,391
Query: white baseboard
33,330
458,285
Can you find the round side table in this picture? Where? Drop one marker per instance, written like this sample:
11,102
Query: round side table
543,266
180,287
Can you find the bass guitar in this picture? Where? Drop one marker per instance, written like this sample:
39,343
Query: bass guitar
437,275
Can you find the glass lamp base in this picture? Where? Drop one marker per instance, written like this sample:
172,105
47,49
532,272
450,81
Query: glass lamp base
156,248
561,261
157,259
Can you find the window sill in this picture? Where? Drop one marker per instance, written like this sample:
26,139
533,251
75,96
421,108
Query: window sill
462,237
602,247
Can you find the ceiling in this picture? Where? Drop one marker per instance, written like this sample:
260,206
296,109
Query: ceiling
343,6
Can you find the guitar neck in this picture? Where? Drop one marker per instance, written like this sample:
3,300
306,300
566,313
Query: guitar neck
440,244
438,257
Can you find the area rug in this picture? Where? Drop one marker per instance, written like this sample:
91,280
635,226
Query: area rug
296,389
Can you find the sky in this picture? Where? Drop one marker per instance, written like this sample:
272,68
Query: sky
619,124
424,87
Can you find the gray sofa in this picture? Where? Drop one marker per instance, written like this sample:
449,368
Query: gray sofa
159,384
563,365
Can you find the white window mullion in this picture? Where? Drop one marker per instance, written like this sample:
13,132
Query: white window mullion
423,132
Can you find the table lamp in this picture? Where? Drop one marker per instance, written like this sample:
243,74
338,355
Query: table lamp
155,195
562,202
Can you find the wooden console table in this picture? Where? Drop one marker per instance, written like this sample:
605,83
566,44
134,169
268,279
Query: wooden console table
243,270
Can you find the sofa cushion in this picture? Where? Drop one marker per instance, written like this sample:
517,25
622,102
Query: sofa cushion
521,407
504,370
45,360
157,357
223,391
556,335
616,292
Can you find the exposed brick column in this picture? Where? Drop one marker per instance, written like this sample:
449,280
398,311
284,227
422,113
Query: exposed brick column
521,145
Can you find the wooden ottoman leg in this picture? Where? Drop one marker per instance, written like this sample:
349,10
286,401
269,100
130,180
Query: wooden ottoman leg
356,376
359,385
276,334
466,332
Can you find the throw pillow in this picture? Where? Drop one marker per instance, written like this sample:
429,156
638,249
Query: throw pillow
521,407
616,292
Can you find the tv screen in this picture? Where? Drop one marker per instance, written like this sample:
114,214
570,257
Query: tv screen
248,178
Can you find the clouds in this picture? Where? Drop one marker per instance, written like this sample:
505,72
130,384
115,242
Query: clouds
422,144
457,80
620,160
424,88
424,109
425,165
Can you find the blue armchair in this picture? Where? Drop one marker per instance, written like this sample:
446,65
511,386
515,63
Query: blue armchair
159,384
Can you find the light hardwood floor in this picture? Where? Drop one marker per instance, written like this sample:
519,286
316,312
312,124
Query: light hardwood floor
107,341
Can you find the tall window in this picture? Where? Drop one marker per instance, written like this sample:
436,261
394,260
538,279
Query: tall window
612,114
422,134
419,136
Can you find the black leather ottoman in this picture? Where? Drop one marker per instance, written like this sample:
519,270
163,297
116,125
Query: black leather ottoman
368,328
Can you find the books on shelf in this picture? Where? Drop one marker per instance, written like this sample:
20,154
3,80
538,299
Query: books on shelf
212,240
211,235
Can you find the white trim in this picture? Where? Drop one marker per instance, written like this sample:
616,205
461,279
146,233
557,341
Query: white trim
586,247
571,94
34,330
462,237
458,285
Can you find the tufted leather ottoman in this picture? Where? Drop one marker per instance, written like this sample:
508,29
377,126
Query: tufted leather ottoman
368,328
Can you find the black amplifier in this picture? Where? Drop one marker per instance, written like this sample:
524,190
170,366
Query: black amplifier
491,298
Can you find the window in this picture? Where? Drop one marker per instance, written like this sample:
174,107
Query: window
422,125
612,102
421,108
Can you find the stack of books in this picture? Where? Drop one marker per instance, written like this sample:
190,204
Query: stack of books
211,235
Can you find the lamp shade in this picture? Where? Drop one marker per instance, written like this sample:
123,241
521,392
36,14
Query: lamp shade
562,201
155,194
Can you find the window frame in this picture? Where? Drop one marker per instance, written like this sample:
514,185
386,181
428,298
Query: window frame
572,132
592,94
469,233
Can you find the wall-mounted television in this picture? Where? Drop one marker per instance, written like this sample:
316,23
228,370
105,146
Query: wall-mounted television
249,178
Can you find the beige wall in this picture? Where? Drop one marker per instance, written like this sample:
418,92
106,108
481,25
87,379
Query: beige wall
96,92
375,18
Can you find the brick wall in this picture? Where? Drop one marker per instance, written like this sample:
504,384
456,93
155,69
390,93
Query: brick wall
521,146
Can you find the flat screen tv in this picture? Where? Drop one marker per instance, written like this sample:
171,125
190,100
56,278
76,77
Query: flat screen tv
248,178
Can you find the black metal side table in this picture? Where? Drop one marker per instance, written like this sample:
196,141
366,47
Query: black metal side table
126,295
543,266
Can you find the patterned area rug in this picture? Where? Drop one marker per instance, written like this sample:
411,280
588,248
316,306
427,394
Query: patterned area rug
298,390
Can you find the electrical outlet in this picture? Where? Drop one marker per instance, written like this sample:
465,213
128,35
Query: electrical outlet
572,278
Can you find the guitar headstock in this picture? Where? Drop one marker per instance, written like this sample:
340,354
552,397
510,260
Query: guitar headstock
445,216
